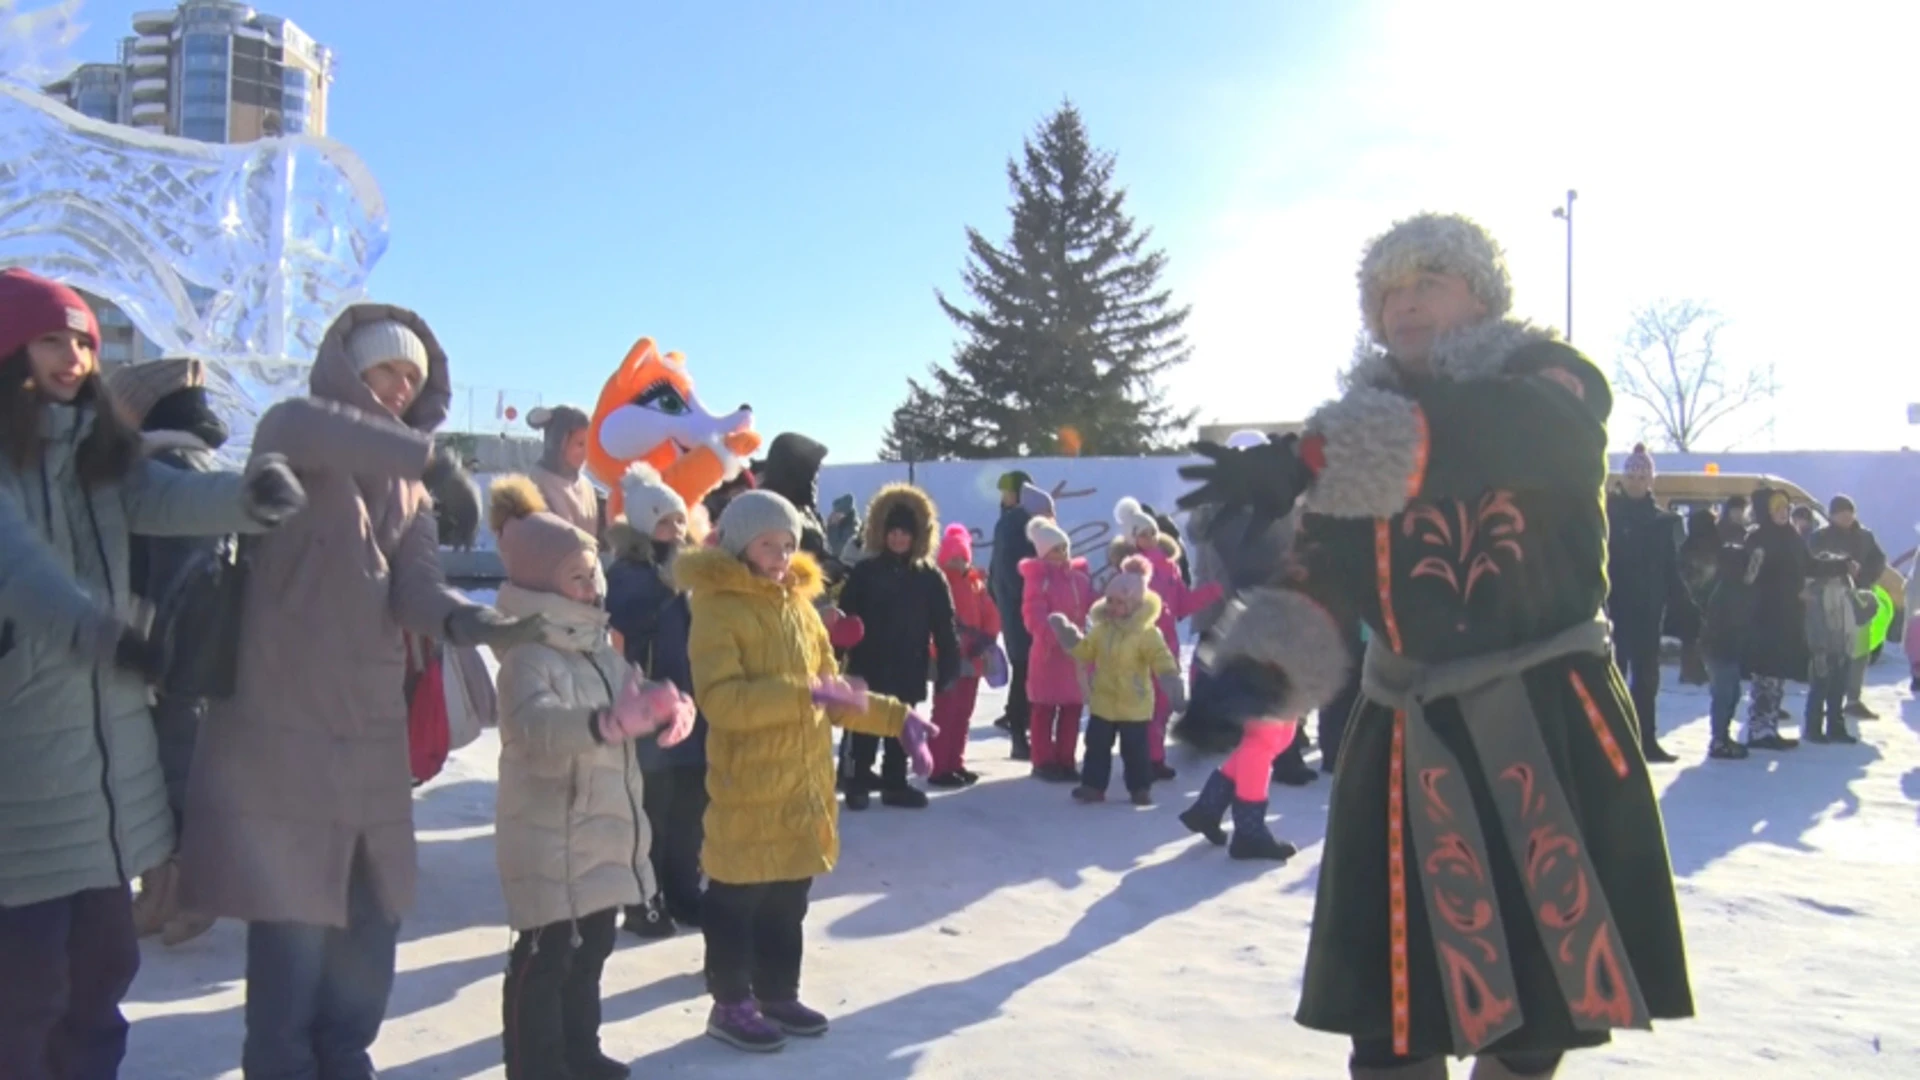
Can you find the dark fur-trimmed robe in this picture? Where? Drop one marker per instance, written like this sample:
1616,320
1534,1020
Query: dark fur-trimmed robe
1461,515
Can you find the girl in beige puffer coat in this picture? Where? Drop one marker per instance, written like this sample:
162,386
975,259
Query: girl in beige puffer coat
571,837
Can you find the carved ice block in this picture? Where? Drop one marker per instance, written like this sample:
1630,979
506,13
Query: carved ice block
239,254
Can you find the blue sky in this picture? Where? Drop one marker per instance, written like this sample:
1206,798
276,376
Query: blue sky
777,188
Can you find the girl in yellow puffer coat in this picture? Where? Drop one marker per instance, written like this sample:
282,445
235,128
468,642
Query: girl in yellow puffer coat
766,680
570,836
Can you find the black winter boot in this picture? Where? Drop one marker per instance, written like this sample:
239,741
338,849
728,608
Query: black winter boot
1204,816
649,921
1251,838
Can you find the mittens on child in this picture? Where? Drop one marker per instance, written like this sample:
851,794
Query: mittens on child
641,709
1175,689
1064,629
915,735
837,693
681,725
846,631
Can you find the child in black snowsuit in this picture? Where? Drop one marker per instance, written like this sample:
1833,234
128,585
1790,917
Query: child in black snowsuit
1727,606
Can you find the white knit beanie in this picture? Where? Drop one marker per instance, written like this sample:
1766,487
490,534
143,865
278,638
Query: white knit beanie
648,498
752,514
385,341
1046,536
1132,519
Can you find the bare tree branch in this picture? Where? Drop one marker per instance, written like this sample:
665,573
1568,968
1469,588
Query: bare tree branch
1671,365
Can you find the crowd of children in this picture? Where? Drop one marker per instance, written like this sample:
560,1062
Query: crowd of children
667,746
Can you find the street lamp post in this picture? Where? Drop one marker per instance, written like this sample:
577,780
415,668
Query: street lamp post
1565,213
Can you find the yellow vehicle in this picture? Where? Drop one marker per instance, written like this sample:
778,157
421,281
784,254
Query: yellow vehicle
1684,492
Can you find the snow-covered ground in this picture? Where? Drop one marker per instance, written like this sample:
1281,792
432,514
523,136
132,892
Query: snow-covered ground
1005,931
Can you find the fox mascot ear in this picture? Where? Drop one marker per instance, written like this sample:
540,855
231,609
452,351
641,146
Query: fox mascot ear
648,412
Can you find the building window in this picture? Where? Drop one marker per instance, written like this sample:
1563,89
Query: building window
204,128
293,124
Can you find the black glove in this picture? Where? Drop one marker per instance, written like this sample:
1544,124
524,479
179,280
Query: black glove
271,493
1264,480
1223,703
487,626
456,499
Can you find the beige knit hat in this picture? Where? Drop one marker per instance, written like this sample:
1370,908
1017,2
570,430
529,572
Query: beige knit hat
139,387
533,543
385,341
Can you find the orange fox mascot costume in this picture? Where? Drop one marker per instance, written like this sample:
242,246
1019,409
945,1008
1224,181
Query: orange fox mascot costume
648,412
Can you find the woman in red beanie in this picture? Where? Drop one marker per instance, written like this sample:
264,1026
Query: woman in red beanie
86,807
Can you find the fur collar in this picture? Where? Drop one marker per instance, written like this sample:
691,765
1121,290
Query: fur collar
873,538
628,544
711,570
1479,351
571,625
1146,616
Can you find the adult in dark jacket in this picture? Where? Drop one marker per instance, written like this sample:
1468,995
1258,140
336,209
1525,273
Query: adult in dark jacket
1643,583
843,524
1725,595
168,400
1777,647
791,470
902,597
654,624
1010,546
1846,536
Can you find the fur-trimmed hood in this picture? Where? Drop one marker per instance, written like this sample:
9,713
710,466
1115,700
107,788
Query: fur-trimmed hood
873,534
1478,351
628,544
1144,617
1037,569
712,570
1120,547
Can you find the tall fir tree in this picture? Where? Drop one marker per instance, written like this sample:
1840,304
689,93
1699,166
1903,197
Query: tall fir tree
1070,332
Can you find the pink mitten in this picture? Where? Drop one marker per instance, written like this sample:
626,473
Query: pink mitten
914,736
838,693
847,631
641,708
681,726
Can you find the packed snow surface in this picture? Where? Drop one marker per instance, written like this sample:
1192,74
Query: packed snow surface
1006,931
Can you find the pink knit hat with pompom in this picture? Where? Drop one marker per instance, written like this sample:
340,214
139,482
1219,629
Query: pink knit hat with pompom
956,543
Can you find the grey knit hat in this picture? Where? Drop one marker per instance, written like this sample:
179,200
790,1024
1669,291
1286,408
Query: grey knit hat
383,341
752,513
139,387
1435,243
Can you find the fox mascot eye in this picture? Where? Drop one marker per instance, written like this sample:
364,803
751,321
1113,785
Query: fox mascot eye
648,411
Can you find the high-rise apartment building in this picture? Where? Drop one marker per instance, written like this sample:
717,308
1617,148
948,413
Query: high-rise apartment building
212,70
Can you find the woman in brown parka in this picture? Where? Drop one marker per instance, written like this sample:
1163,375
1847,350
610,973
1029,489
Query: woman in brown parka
300,796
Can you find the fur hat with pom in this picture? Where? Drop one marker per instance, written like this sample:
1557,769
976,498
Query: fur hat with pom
1133,518
534,544
1639,463
1046,535
956,543
648,498
1130,584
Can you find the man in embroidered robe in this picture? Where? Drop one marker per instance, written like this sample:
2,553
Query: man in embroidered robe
1495,881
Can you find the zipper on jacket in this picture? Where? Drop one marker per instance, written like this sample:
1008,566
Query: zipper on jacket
630,761
99,708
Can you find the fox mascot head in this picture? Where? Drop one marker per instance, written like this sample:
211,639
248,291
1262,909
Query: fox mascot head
648,412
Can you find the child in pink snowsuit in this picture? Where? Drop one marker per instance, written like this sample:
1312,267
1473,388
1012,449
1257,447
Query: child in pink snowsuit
1056,583
1140,534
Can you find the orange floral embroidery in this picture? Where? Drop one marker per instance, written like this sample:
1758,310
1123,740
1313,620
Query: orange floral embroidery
1470,543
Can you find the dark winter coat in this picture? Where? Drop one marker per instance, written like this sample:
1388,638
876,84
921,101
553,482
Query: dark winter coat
1643,569
1700,553
1858,544
156,563
655,621
1777,646
904,602
1726,598
1010,548
1461,515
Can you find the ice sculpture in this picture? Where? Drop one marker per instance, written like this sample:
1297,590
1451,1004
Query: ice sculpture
240,254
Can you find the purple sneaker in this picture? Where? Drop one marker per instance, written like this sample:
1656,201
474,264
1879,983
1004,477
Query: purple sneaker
741,1026
794,1018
